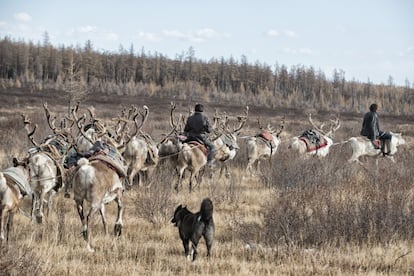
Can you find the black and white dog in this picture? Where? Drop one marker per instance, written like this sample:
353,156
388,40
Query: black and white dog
192,226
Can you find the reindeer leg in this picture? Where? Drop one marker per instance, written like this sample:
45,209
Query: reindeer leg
132,176
92,211
9,224
39,211
140,178
2,222
50,201
79,206
118,223
226,174
180,178
32,211
191,181
102,211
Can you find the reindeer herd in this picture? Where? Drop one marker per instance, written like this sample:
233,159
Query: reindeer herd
97,160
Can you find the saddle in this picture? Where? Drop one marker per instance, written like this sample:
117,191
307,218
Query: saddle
267,138
313,140
198,143
110,162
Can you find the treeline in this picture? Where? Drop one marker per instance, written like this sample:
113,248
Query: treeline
128,72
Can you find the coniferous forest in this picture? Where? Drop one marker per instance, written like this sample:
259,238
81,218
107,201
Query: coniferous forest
41,66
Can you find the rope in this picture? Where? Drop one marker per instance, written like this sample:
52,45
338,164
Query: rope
176,153
46,178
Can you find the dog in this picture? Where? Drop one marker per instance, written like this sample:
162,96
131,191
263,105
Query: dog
191,226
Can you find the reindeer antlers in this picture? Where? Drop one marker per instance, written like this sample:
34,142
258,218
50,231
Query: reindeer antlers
30,133
334,126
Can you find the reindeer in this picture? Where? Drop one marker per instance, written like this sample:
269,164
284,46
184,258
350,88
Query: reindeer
226,143
98,184
141,153
315,141
182,156
362,146
169,146
42,175
14,185
61,144
191,157
9,204
89,133
263,145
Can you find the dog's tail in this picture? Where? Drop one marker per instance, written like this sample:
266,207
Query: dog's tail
206,209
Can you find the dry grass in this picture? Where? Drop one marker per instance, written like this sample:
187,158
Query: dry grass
323,217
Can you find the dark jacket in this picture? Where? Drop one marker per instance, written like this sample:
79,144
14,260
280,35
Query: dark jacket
197,125
370,126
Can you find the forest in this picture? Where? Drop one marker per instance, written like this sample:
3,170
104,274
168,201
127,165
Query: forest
40,66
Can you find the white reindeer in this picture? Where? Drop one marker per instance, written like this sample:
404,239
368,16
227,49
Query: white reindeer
306,148
262,146
42,174
141,153
362,146
226,144
98,184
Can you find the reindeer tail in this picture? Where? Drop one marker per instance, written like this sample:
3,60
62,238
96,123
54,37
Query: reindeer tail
206,209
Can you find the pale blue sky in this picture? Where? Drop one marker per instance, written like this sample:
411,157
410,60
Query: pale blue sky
365,38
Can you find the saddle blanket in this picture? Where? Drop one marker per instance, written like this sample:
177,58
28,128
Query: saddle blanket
313,145
18,176
117,166
201,146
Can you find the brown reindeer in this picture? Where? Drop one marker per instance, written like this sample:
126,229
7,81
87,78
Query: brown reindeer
263,146
9,204
316,141
190,157
98,184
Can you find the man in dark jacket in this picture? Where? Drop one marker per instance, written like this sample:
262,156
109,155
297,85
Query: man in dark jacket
197,128
370,129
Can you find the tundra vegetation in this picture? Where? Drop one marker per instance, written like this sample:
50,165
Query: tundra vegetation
314,216
296,216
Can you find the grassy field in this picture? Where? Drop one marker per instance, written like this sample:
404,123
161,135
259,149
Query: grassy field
296,217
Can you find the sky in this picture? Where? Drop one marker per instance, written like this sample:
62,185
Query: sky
366,39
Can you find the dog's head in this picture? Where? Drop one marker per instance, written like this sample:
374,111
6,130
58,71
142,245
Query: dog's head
179,211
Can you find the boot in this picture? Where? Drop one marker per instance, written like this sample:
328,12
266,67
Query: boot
386,149
210,160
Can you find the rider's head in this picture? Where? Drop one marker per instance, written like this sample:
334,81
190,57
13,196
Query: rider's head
373,107
199,108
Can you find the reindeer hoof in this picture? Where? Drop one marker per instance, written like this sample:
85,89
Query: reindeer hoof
67,195
39,220
85,235
90,248
118,229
